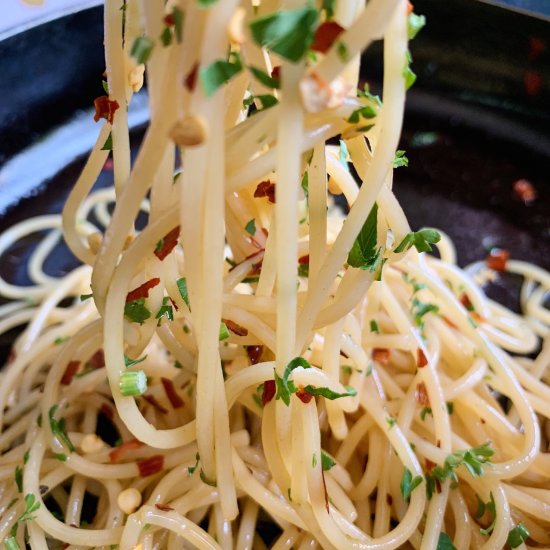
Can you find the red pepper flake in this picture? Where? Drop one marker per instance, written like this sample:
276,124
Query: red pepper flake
524,191
464,299
97,360
116,454
497,259
532,81
389,499
168,243
477,317
152,400
109,164
421,395
107,411
304,260
142,291
325,36
265,188
536,47
105,108
410,8
69,373
191,79
254,354
421,359
269,392
303,395
164,507
276,72
169,20
150,466
175,400
449,322
381,355
235,328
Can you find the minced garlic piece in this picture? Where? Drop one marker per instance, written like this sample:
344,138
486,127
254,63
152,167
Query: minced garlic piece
129,500
91,443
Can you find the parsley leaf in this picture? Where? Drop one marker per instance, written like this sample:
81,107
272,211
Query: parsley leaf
365,254
491,509
264,78
219,72
305,185
415,23
165,310
182,287
374,326
409,484
191,469
328,7
288,33
327,462
327,393
445,542
142,48
342,51
131,362
400,159
250,227
420,309
286,387
31,506
107,146
421,240
206,3
366,112
136,312
408,74
19,478
518,535
58,429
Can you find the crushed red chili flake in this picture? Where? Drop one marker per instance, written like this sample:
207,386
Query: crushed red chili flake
325,36
168,243
109,164
152,400
235,328
532,82
476,317
191,78
269,392
276,72
254,353
175,400
169,20
389,499
107,411
381,355
449,322
464,299
265,188
410,8
116,454
524,191
304,260
497,259
421,395
421,359
142,291
303,395
151,465
97,360
163,507
105,108
69,373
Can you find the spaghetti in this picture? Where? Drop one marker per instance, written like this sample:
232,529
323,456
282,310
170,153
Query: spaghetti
250,368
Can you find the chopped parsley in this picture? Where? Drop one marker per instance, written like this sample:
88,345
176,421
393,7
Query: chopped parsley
328,8
288,33
266,101
420,309
84,297
314,460
327,393
182,287
107,146
142,48
400,159
19,478
264,78
219,72
165,310
365,252
131,362
490,507
409,484
408,74
366,112
136,312
58,429
250,227
342,51
374,327
191,469
415,23
327,462
445,542
421,240
517,536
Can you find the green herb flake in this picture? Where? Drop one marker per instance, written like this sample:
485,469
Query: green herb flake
107,146
166,310
60,340
166,37
425,411
327,462
288,33
304,184
182,287
366,112
131,362
207,480
133,383
58,429
517,536
177,15
250,227
60,456
415,23
421,240
342,51
105,86
136,312
264,78
142,48
420,309
84,297
490,507
314,460
219,72
286,387
445,542
408,74
19,478
327,393
409,484
223,333
31,506
191,469
400,159
11,543
374,327
343,155
303,270
365,253
328,7
26,457
205,3
391,422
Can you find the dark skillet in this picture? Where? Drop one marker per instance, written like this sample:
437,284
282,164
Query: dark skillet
477,120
